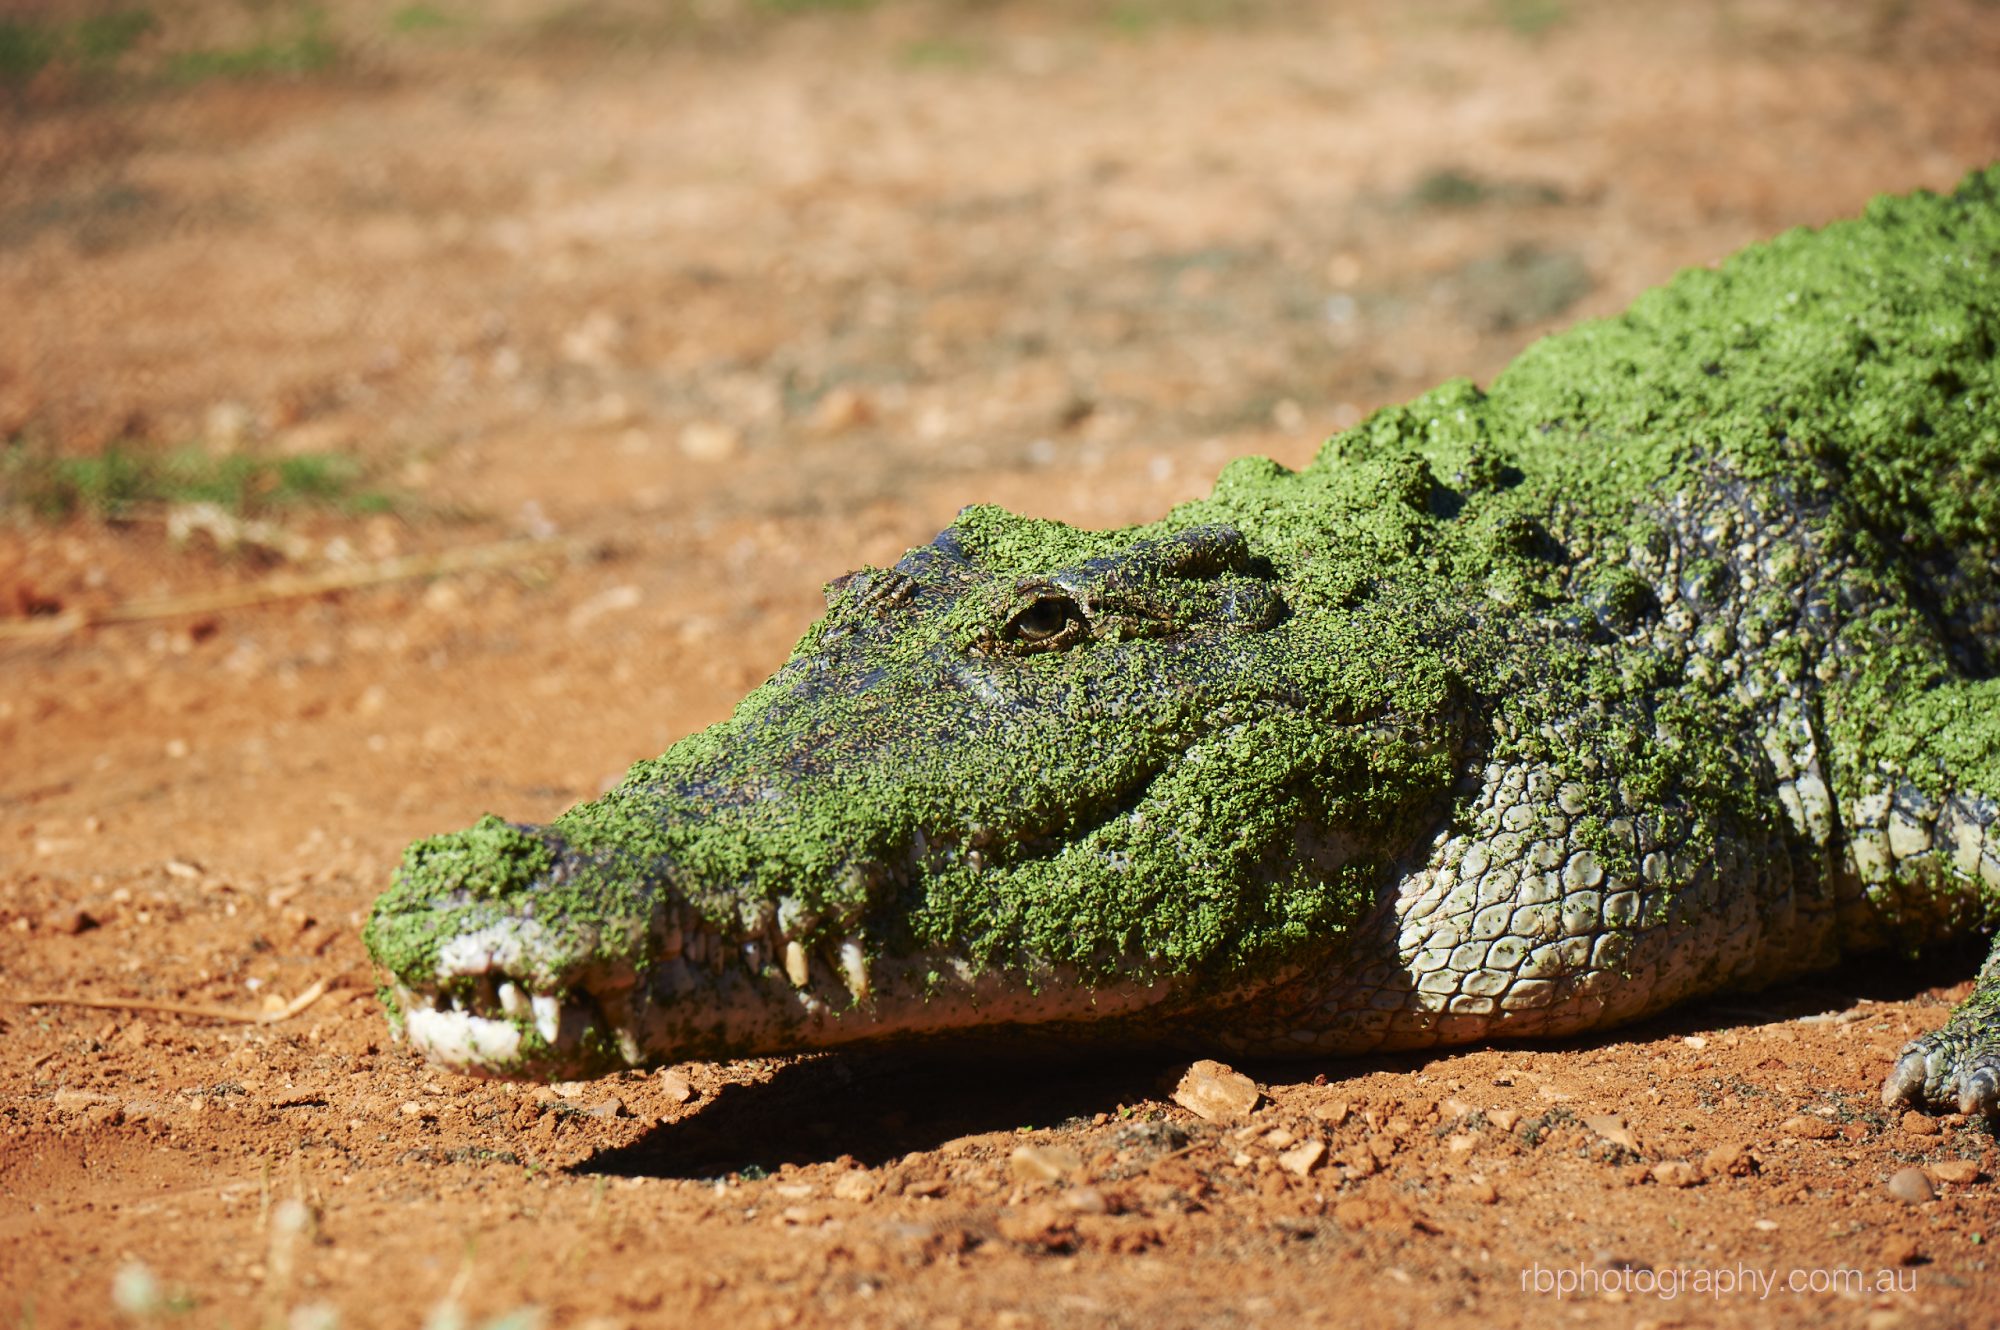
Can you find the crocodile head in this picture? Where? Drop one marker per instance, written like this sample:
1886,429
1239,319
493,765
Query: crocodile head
1027,777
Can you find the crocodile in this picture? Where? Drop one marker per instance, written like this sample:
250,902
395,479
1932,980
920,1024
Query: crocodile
1668,663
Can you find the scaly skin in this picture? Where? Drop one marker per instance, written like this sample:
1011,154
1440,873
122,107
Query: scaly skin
1665,666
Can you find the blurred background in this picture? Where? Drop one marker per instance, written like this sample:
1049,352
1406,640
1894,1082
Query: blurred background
413,410
662,314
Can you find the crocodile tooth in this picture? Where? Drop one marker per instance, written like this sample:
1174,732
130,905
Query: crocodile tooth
854,968
512,1000
548,1015
796,968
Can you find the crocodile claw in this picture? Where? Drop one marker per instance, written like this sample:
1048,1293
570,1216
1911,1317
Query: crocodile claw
1957,1067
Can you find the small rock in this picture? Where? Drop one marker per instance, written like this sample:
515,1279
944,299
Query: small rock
1919,1124
1958,1172
1217,1092
710,440
1461,1142
1085,1201
1910,1186
925,1187
1303,1158
1900,1251
1613,1129
1503,1118
613,1107
1765,1225
68,919
1332,1114
1808,1128
1042,1163
1481,1192
1731,1160
1280,1138
78,1101
1676,1173
856,1184
413,1109
675,1088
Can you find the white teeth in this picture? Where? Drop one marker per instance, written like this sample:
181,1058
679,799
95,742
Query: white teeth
548,1015
854,968
512,1000
796,968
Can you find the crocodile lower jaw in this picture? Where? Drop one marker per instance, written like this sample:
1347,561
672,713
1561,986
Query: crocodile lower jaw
502,1027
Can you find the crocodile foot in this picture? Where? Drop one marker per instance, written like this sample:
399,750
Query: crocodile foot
1954,1067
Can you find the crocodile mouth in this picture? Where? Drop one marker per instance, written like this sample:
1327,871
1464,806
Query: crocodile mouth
501,1001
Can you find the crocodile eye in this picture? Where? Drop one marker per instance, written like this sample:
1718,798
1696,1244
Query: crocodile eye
1049,623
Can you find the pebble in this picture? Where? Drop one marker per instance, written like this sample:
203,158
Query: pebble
1919,1124
1676,1173
1481,1192
77,1101
1613,1129
1303,1158
1808,1128
856,1184
1332,1114
1910,1186
1959,1172
68,919
1042,1163
1217,1092
1900,1251
1503,1118
613,1107
1730,1160
675,1088
1085,1201
1462,1142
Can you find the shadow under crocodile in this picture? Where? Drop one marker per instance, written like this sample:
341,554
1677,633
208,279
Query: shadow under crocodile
879,1105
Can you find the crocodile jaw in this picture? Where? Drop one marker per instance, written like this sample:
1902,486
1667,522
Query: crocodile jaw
483,1019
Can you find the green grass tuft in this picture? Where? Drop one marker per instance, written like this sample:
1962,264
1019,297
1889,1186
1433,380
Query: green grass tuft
24,49
123,478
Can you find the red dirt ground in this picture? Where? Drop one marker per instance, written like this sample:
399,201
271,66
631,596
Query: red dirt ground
740,298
